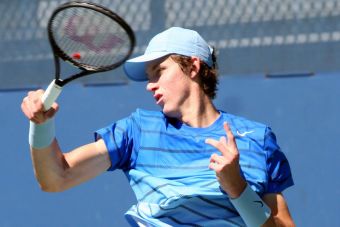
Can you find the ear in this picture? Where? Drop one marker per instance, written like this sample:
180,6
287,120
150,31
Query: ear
196,65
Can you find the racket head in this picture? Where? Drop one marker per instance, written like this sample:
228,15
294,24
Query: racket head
90,37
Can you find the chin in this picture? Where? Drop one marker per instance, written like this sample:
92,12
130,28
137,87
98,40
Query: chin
170,112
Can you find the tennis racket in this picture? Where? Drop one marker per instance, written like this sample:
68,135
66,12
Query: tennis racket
91,38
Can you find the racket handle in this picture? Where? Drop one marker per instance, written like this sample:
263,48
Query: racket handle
51,94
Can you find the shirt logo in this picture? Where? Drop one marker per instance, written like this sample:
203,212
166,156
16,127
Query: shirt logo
243,134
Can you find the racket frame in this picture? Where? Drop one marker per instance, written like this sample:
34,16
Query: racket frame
85,69
55,87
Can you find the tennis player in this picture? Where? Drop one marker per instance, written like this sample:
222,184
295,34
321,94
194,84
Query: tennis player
189,164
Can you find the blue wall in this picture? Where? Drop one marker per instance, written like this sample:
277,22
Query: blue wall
304,112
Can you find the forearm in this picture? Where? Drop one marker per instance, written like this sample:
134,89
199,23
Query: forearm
48,160
276,205
280,215
278,222
270,222
49,167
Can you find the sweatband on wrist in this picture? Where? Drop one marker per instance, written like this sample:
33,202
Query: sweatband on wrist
251,208
41,135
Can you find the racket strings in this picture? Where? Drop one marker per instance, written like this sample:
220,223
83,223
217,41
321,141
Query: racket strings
89,37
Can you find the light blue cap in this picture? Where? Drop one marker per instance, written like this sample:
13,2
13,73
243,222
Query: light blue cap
174,40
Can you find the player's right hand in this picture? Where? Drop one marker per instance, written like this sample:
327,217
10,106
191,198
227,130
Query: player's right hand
33,107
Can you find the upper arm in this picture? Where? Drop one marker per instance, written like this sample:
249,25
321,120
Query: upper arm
85,163
279,178
278,168
279,208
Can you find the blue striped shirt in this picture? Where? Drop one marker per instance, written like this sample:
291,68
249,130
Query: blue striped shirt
166,163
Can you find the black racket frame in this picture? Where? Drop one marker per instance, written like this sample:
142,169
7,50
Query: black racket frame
85,69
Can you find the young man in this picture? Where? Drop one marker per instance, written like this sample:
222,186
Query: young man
189,164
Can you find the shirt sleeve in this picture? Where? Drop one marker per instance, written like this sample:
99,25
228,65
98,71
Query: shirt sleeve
119,141
278,169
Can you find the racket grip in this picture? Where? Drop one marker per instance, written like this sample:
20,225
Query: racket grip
51,94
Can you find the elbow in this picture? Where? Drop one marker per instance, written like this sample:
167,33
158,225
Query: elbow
274,221
52,185
286,223
48,187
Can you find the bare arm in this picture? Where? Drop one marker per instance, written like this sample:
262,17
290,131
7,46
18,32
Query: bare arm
280,215
55,170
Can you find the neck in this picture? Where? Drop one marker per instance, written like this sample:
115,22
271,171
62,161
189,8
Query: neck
201,114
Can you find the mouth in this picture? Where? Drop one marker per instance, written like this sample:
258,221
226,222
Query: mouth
158,98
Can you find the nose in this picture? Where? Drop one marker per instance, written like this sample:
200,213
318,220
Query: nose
151,86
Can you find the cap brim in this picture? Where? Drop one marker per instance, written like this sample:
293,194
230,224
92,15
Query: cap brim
135,68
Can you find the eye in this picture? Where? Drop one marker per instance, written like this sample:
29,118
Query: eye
153,77
161,70
157,73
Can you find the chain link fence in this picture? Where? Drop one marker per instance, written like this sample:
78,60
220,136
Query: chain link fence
251,36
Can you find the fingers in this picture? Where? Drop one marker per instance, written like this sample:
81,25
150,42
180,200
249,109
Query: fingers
225,145
217,159
231,138
218,144
51,112
25,108
226,166
216,162
35,103
33,107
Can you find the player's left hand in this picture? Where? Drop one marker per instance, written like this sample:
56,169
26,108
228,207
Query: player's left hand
226,166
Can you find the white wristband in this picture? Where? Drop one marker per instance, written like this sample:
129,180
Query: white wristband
252,209
41,135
